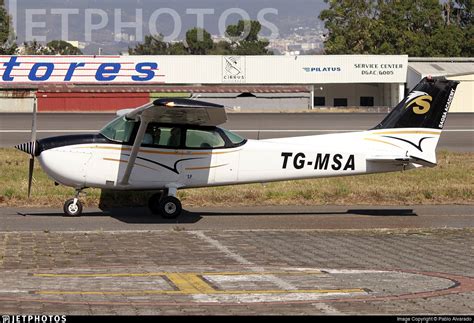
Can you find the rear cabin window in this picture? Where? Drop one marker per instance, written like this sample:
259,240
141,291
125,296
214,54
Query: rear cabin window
204,139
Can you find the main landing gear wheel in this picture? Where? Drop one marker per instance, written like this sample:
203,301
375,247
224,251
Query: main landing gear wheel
169,207
73,207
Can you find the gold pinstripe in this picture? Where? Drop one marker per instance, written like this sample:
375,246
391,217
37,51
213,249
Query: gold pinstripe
381,141
407,132
148,151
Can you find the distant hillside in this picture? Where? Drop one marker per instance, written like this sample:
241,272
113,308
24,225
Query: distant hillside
291,14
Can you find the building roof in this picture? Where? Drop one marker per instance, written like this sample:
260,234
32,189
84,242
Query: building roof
65,88
442,68
440,59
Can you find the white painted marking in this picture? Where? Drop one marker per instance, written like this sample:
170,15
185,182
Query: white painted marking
277,281
259,298
240,278
13,291
326,309
221,248
353,271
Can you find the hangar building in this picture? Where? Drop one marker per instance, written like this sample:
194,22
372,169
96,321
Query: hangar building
244,83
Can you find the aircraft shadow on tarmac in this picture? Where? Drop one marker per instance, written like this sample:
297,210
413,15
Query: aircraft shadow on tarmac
367,212
140,215
132,215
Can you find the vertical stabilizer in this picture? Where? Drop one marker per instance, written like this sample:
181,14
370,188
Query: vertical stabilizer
415,124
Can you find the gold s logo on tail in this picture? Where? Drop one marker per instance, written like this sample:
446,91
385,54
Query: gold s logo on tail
419,101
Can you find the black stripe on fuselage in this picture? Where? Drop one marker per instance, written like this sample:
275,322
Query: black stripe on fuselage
62,141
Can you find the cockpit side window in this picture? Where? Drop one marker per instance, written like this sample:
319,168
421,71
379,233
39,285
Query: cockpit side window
119,130
160,136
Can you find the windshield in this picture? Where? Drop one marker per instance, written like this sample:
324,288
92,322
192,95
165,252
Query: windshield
234,138
119,130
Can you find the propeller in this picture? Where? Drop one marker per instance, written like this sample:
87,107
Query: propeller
30,148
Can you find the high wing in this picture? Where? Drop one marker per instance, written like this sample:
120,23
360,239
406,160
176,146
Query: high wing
172,111
181,111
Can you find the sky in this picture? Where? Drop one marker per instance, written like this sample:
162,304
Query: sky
283,14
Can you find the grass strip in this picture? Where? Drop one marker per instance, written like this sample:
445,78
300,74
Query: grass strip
452,181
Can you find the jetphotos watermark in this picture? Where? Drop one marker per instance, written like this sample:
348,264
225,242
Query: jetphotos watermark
33,319
130,23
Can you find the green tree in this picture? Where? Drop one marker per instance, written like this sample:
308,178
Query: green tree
252,48
412,27
245,40
460,13
446,41
221,48
199,41
35,48
55,47
177,48
243,35
350,24
7,46
409,27
153,45
61,47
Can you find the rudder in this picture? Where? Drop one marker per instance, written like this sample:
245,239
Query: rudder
426,106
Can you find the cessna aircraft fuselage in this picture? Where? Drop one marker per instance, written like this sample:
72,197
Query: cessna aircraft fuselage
173,144
102,164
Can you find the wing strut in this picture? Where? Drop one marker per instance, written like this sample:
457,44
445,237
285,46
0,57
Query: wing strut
135,149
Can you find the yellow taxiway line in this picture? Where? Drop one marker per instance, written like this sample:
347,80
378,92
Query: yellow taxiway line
188,284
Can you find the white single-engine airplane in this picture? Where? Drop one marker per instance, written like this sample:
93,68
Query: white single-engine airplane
174,144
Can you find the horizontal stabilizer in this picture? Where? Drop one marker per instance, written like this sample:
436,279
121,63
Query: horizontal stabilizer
422,162
389,159
400,160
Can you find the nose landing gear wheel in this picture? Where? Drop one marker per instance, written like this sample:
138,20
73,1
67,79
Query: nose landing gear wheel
73,207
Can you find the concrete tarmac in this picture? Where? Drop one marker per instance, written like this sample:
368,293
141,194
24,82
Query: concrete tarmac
458,135
400,260
353,217
285,260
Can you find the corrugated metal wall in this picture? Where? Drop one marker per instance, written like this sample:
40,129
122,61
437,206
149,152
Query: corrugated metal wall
464,98
73,102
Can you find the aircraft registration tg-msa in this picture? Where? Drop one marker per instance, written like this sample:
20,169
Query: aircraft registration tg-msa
174,144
